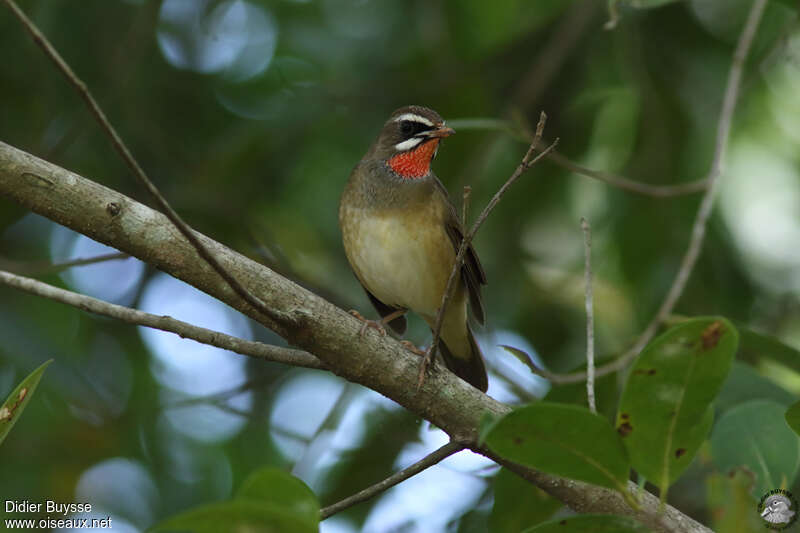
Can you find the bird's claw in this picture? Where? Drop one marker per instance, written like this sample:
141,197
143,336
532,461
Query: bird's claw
413,348
367,323
424,366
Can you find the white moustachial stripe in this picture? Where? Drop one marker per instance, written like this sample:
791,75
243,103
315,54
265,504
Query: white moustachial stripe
408,144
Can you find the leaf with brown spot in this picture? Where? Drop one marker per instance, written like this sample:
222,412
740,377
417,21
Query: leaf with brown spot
12,408
624,429
711,335
669,393
564,440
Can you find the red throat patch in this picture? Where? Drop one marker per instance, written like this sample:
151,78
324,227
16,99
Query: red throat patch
415,163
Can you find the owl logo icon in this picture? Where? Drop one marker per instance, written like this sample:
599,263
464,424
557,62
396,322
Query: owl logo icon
778,509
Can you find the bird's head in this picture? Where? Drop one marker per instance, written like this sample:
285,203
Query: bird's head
409,140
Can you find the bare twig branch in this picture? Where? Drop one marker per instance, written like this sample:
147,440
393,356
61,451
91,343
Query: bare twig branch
524,165
465,204
587,241
136,169
259,350
706,204
621,182
46,267
219,398
557,158
426,462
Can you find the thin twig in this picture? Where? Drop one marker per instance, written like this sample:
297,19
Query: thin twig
465,204
45,267
557,158
136,169
426,462
706,204
259,350
621,182
219,398
587,243
524,165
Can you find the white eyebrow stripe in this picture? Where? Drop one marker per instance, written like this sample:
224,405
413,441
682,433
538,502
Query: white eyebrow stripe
413,117
408,144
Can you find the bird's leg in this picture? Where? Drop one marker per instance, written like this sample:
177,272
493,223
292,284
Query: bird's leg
413,348
367,323
427,359
376,324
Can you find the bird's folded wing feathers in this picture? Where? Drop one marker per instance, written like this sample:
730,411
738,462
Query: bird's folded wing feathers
472,272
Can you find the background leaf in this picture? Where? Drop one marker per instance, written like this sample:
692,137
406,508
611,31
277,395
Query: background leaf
664,412
590,523
237,516
16,402
606,393
564,440
754,435
744,383
507,513
767,345
280,488
793,417
733,508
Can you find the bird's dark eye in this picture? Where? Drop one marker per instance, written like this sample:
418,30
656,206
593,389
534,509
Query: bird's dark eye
409,128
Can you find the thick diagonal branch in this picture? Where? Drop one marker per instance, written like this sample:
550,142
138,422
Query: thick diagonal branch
317,326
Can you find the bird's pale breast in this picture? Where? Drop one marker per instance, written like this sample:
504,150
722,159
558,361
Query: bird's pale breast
403,257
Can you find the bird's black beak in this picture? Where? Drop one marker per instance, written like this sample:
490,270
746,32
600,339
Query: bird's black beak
440,132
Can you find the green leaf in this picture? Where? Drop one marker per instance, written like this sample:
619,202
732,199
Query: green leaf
745,384
480,28
755,435
18,399
649,4
606,393
508,514
664,412
237,516
590,523
793,417
615,129
523,358
565,440
613,8
277,487
732,507
767,345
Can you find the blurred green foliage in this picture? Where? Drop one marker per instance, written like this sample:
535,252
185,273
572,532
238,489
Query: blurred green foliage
250,124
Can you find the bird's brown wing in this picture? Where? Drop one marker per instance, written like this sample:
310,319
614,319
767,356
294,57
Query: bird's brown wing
399,323
472,272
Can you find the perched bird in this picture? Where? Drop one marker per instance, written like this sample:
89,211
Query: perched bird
401,235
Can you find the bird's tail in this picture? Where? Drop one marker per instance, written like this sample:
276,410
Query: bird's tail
468,366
